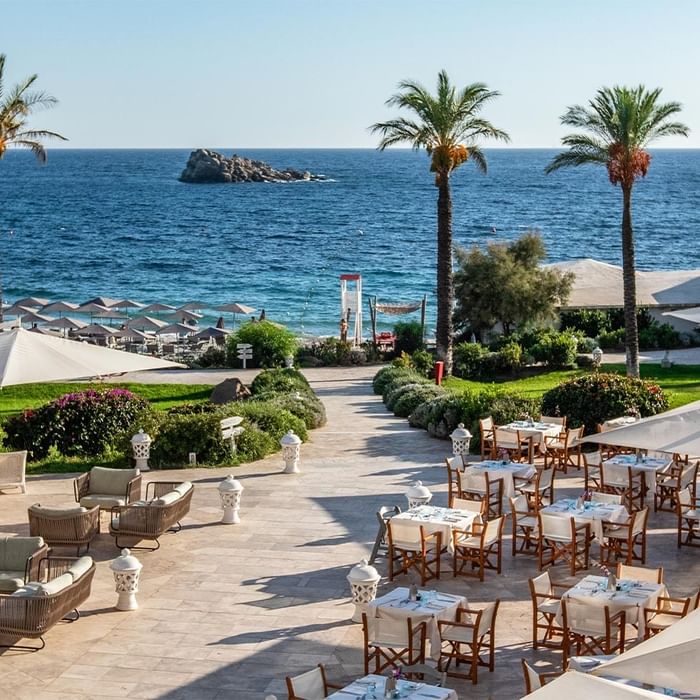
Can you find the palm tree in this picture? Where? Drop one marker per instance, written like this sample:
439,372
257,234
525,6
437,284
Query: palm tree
448,127
618,125
15,108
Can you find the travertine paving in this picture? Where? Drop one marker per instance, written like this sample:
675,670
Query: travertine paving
228,611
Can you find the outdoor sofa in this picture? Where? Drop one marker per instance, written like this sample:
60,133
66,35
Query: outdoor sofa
19,561
107,488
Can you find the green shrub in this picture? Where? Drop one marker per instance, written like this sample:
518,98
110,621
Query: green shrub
468,359
253,444
270,418
612,340
423,362
410,399
409,337
589,322
83,423
271,343
214,356
396,393
386,375
191,409
595,398
329,352
555,349
403,361
660,336
584,362
510,357
308,407
410,377
280,381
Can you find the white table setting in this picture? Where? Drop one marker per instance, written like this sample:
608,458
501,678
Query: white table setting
506,470
438,519
535,429
429,607
640,464
589,512
371,687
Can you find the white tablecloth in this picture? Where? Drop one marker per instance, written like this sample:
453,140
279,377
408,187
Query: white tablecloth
594,513
643,594
499,470
409,690
436,519
646,464
441,606
538,431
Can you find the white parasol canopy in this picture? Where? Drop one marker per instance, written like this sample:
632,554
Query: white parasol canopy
33,317
126,304
33,302
675,431
236,308
195,305
66,323
19,310
101,301
177,328
573,685
91,308
183,315
27,357
59,306
97,329
156,308
212,332
667,660
146,323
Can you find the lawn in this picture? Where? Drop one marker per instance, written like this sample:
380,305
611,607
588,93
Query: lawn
681,382
14,399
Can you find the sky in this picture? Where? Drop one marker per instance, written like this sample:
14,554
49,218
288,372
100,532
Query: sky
316,73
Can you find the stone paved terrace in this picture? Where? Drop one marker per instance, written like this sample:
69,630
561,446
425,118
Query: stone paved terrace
228,611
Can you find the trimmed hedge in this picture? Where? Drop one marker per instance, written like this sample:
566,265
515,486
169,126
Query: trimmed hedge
386,375
409,400
281,381
308,407
271,343
595,398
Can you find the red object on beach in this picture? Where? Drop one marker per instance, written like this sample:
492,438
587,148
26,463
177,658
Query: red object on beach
439,370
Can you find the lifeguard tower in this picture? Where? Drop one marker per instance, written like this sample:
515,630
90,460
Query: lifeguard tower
351,306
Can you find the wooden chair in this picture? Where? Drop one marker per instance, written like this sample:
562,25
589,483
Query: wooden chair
545,606
454,467
538,488
477,485
464,641
479,549
560,538
524,523
688,511
469,505
554,420
535,679
311,685
591,629
564,450
627,540
413,548
392,641
667,611
520,447
622,480
669,484
487,433
600,497
640,573
591,470
384,514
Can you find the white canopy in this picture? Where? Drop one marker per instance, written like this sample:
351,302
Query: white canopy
177,329
573,685
146,323
27,357
668,660
677,431
236,308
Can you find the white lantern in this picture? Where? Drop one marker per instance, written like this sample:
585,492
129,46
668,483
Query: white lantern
141,447
363,580
597,355
460,441
230,490
126,569
291,450
418,495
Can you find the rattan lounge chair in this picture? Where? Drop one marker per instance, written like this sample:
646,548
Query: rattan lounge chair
19,561
65,527
107,488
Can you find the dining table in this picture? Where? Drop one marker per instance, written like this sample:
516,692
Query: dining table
439,519
429,607
589,512
371,687
502,469
537,430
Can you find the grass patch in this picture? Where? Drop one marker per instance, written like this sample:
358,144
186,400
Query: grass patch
680,382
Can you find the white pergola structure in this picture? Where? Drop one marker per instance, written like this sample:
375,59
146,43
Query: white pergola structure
351,305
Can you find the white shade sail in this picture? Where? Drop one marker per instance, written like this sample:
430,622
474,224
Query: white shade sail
26,358
573,685
668,660
677,430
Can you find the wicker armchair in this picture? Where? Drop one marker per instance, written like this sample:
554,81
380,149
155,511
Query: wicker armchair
167,502
24,615
107,488
20,557
65,527
12,470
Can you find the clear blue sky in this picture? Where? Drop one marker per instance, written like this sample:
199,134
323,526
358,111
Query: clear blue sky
316,73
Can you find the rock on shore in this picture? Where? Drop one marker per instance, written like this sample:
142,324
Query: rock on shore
206,166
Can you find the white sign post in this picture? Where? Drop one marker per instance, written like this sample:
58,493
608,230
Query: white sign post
245,352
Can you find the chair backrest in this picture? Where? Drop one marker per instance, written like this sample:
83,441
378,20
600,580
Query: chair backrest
309,685
519,505
544,478
14,551
554,420
581,616
600,497
532,678
469,505
486,426
618,475
493,530
391,627
640,521
640,573
507,438
385,513
556,527
12,466
688,476
404,534
113,482
474,480
573,435
541,585
487,621
685,499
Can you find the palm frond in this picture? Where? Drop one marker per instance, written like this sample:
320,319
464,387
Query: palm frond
38,134
478,157
34,146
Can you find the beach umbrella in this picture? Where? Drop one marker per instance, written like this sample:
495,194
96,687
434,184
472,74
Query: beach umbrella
67,323
18,310
667,660
573,685
127,304
146,323
27,357
185,315
212,332
235,308
176,328
33,317
97,329
32,302
45,331
675,431
60,307
110,313
157,308
133,333
101,301
194,306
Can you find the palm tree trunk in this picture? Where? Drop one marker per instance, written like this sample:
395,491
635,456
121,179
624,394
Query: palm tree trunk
629,284
445,287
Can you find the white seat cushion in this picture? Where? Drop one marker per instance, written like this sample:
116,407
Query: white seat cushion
11,580
183,488
527,521
36,589
454,633
550,605
53,512
104,500
167,498
80,567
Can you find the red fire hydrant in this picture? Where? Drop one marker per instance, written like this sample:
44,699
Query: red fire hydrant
439,370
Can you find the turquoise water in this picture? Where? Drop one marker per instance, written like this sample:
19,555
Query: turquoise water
118,223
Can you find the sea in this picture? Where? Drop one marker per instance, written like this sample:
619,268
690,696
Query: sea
118,223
